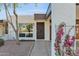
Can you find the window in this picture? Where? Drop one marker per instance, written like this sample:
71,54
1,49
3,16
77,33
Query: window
26,30
21,34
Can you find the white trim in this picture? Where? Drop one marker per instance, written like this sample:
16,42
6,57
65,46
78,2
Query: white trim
28,38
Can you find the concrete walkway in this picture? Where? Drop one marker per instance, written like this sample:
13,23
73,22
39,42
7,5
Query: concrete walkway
41,48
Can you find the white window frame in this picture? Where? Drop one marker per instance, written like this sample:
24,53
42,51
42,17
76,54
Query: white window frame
27,38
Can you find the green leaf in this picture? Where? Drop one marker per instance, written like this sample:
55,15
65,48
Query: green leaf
8,5
16,5
36,4
0,10
0,6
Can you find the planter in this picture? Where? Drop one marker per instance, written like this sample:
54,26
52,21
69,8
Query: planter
1,42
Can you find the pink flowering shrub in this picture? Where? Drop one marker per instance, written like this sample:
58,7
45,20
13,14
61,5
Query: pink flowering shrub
77,52
59,35
68,42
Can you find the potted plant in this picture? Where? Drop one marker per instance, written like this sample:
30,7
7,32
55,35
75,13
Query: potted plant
1,42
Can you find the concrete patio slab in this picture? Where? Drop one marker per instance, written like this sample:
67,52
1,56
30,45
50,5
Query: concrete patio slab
41,48
11,49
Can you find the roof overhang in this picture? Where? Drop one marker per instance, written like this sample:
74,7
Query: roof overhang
40,16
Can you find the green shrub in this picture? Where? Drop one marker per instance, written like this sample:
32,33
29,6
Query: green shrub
1,42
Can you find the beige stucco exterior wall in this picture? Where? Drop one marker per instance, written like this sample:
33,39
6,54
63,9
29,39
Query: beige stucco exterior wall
77,15
77,12
2,30
30,19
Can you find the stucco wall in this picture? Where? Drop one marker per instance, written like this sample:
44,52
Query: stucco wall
62,12
77,12
29,19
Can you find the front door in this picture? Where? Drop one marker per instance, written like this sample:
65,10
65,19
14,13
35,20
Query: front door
40,30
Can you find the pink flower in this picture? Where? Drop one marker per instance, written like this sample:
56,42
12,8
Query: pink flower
60,33
70,41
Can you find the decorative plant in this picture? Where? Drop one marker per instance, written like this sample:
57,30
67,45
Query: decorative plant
77,52
59,35
29,27
69,43
1,42
66,47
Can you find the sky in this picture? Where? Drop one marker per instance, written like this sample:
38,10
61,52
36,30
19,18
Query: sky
26,9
